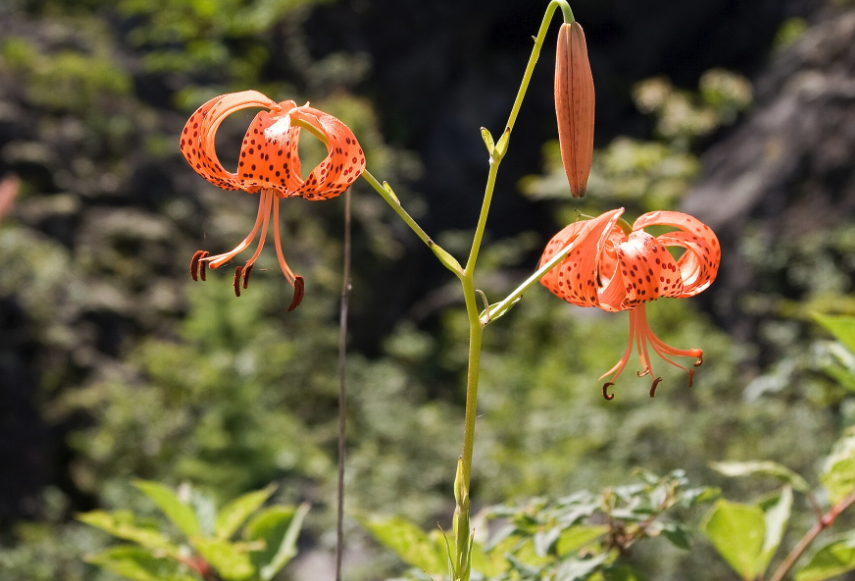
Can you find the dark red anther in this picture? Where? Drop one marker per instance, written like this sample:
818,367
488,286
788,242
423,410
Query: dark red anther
299,288
653,387
194,264
237,280
606,394
700,360
203,266
246,272
691,377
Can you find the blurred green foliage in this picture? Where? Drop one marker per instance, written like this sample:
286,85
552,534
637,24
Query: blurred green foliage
268,540
229,394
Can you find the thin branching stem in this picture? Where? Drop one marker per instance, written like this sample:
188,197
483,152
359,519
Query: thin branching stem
826,521
342,392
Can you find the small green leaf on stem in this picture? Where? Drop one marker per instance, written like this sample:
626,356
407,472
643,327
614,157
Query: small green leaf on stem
389,189
502,146
488,140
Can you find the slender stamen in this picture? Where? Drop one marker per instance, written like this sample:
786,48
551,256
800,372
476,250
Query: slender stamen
203,266
267,202
289,274
619,366
641,339
663,350
218,260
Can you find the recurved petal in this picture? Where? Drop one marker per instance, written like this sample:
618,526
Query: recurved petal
269,154
574,106
575,279
345,160
699,264
647,270
199,133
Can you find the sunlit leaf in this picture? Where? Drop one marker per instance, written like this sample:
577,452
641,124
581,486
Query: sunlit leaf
836,557
580,569
737,531
179,513
841,326
234,513
278,527
838,475
765,468
121,524
138,564
777,515
408,541
230,563
578,536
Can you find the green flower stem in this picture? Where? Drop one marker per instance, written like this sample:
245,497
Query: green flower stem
502,307
386,192
535,53
476,326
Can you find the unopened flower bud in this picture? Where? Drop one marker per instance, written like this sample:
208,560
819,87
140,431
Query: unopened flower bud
574,106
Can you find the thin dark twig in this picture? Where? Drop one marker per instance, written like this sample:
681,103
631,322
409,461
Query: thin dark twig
342,400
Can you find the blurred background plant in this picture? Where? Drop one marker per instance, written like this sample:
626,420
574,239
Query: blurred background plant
114,367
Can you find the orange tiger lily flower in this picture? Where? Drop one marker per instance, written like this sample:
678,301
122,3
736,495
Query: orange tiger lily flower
618,270
269,165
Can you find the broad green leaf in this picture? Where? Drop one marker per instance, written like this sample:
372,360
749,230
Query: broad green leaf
278,527
836,557
677,535
737,531
138,564
841,326
579,569
838,476
179,513
235,513
230,563
622,573
490,564
765,469
546,541
121,524
408,541
578,536
777,515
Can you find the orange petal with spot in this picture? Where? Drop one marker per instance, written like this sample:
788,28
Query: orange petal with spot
199,135
699,264
647,270
269,155
575,279
574,106
345,160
